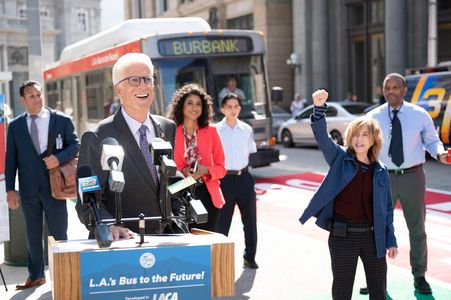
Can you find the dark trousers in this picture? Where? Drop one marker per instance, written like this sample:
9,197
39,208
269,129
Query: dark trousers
34,209
240,190
410,189
344,254
201,193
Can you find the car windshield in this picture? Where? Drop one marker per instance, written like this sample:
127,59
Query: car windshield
355,108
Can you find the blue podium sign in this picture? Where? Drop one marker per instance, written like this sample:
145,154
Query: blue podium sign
167,273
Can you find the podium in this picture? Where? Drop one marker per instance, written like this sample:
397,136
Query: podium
65,263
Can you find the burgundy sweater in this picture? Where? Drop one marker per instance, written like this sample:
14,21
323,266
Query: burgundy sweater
355,201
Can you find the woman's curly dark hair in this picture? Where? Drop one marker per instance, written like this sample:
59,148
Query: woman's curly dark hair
175,112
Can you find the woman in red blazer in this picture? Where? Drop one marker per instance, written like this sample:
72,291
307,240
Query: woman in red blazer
198,149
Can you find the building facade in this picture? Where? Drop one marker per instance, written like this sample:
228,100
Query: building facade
350,45
273,18
62,22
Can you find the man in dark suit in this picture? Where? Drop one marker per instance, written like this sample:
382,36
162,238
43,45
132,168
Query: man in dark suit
26,153
133,127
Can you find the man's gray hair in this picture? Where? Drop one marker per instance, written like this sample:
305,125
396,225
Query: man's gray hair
126,60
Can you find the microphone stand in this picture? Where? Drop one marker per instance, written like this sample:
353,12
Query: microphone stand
167,169
117,183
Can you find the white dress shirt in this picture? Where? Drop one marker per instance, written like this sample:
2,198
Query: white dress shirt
42,122
238,142
135,125
418,134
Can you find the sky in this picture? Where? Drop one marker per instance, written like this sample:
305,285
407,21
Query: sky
112,13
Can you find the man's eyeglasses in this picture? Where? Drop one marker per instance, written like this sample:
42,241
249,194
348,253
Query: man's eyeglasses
136,80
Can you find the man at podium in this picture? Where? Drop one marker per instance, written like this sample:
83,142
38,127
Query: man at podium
133,127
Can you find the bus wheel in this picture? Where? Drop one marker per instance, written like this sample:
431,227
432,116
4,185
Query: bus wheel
336,137
287,139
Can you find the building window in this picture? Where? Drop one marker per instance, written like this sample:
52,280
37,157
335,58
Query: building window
213,17
22,11
444,31
82,20
357,15
376,12
45,13
160,7
243,22
366,48
443,5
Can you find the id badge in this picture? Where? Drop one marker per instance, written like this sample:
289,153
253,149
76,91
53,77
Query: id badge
59,142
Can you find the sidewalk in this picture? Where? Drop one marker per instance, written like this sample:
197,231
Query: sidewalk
294,259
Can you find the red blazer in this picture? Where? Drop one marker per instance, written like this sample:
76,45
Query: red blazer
212,155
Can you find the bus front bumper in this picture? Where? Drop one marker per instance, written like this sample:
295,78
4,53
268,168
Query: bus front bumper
263,157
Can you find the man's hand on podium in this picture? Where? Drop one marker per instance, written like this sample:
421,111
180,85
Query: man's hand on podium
118,232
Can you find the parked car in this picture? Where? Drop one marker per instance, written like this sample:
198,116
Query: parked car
297,130
279,115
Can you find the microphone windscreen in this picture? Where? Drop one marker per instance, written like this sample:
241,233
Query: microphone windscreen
84,171
110,141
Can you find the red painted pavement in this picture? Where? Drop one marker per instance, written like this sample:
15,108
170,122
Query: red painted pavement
282,200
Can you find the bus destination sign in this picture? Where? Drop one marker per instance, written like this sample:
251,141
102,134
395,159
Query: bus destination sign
204,46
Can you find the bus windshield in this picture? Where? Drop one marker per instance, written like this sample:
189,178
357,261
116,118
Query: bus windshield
213,73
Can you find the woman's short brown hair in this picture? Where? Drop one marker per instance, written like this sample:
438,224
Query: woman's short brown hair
175,112
374,131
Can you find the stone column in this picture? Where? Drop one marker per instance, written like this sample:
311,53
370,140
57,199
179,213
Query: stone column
319,44
395,36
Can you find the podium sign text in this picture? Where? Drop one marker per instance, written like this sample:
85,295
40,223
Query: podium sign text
167,273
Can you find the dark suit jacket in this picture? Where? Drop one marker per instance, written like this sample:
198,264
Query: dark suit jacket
21,155
140,195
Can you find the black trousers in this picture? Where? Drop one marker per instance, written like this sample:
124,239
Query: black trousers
344,254
240,190
201,193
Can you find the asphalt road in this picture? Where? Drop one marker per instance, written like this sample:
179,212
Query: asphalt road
294,259
309,159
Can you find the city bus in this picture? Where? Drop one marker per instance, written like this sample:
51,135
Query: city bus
430,88
183,50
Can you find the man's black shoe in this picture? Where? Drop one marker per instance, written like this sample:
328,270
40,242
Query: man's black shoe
364,290
250,264
422,286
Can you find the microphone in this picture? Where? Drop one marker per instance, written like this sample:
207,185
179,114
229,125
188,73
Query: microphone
161,152
112,155
88,184
88,190
180,189
111,160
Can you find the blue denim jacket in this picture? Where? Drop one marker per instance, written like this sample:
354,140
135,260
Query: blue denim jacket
343,168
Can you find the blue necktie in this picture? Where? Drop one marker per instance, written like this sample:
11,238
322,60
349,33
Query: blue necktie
396,151
34,133
144,146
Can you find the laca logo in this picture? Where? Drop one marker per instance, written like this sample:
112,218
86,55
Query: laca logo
147,260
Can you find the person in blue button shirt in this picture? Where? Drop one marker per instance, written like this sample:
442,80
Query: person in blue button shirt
407,177
354,203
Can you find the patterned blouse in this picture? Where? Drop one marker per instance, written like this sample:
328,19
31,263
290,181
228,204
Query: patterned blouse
191,151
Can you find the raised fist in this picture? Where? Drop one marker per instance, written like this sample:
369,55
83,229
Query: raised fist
320,97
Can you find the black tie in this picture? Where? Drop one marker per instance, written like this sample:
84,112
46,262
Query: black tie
396,151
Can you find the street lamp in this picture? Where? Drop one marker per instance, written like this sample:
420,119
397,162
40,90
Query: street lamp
294,62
